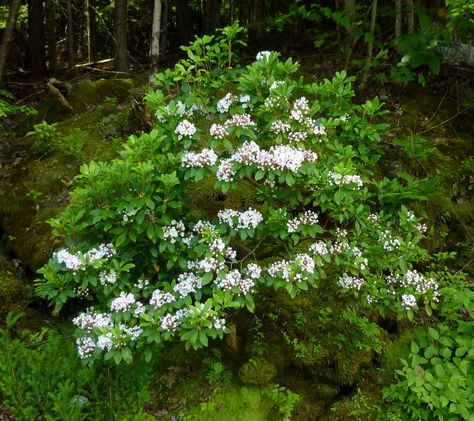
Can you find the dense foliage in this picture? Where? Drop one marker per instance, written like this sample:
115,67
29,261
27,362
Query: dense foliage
156,266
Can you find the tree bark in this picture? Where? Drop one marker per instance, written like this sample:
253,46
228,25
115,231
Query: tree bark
51,24
183,21
8,35
411,16
212,15
259,17
349,10
164,26
398,18
373,20
71,62
155,36
120,28
36,39
92,41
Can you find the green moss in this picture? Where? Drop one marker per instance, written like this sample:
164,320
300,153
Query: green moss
13,294
234,403
348,366
257,372
340,411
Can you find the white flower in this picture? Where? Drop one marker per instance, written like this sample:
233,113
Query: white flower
279,127
123,302
225,172
91,320
185,129
319,248
336,179
421,228
254,270
160,298
173,231
263,55
218,131
224,104
350,282
205,158
409,301
240,120
85,347
308,218
107,277
105,342
188,283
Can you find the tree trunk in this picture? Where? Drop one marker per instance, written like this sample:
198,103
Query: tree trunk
259,17
92,41
155,36
349,11
212,15
164,26
36,39
71,62
411,16
8,35
398,18
120,28
373,20
51,24
183,21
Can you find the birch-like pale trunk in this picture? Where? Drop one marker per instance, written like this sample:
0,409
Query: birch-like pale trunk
8,35
155,36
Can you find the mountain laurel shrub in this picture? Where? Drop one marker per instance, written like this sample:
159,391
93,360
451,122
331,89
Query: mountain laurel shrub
153,266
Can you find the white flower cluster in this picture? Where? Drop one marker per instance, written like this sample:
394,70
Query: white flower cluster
105,342
388,242
174,231
409,301
85,347
421,228
160,298
218,131
188,283
142,284
79,261
279,127
254,270
350,282
336,179
72,261
297,270
240,120
182,111
276,84
208,264
415,282
185,129
128,214
297,137
224,104
300,109
205,158
308,218
202,227
248,219
244,100
108,277
123,302
170,322
320,248
91,320
361,261
315,128
263,55
233,279
374,218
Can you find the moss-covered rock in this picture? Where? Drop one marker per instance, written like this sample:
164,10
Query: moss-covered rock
348,366
13,294
258,372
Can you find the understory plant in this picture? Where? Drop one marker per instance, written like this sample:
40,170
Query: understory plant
251,179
